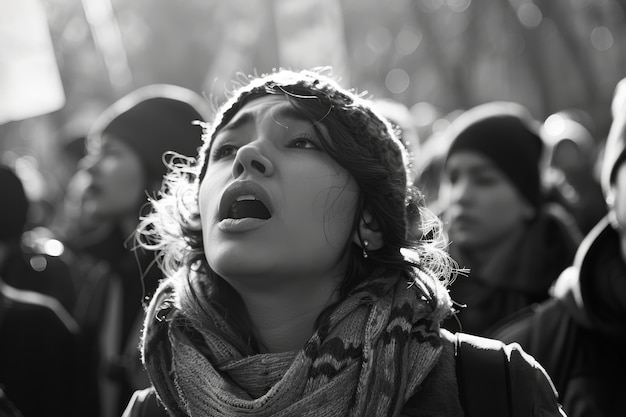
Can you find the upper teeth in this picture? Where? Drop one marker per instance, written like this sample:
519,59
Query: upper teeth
246,198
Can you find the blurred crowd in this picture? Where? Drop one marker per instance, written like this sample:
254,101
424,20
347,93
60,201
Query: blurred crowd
533,209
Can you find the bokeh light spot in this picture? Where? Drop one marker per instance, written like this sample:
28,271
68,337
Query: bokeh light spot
408,41
397,80
602,38
459,6
529,15
379,39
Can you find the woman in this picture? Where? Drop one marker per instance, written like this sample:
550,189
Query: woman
293,286
123,164
497,217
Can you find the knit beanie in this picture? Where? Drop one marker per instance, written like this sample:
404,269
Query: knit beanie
614,153
14,207
153,120
373,154
506,134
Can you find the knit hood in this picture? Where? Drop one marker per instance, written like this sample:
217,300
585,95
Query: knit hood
593,288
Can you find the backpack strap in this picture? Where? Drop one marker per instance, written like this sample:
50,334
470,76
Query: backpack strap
482,375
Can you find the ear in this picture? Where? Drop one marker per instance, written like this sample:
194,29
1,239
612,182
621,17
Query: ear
368,230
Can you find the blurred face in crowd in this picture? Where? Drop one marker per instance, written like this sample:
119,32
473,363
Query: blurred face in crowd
482,205
273,202
117,180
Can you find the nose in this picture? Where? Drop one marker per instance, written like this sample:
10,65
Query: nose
250,159
460,192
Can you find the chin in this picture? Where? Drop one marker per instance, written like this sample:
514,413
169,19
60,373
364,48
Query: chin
235,262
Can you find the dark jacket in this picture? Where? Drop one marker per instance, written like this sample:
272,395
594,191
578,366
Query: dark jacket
33,266
439,395
110,311
39,372
579,335
547,248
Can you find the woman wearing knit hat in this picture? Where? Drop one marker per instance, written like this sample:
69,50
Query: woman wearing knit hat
293,286
127,149
580,333
514,243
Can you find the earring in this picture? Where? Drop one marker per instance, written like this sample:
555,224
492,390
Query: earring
365,245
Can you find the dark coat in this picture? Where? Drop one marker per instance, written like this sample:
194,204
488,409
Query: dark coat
579,335
547,248
110,310
32,267
38,367
439,394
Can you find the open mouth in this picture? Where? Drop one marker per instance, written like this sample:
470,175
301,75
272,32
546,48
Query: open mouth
247,206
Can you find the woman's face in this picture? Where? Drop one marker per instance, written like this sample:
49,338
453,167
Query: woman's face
482,206
117,180
272,202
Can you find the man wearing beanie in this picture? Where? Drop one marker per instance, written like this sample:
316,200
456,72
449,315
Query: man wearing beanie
126,153
579,335
498,223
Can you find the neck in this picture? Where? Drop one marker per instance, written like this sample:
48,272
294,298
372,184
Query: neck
284,319
487,260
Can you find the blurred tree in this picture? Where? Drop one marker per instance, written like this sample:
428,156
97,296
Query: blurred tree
546,54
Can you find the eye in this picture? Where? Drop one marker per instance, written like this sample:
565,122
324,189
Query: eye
303,142
223,151
453,176
485,178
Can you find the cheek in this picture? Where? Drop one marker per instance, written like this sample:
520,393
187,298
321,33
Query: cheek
337,208
125,177
207,201
506,210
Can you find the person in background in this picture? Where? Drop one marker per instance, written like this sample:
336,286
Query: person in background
39,371
293,285
579,334
124,165
514,243
33,262
572,152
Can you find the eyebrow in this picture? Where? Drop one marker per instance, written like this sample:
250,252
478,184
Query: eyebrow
292,112
246,117
238,121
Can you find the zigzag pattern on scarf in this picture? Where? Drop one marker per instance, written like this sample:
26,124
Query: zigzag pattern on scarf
366,358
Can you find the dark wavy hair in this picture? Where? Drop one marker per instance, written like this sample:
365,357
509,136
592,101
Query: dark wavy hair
357,138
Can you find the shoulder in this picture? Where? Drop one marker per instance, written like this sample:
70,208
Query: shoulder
478,375
535,321
144,403
517,379
31,307
560,226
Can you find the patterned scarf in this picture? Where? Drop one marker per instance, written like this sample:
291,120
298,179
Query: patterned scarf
368,357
